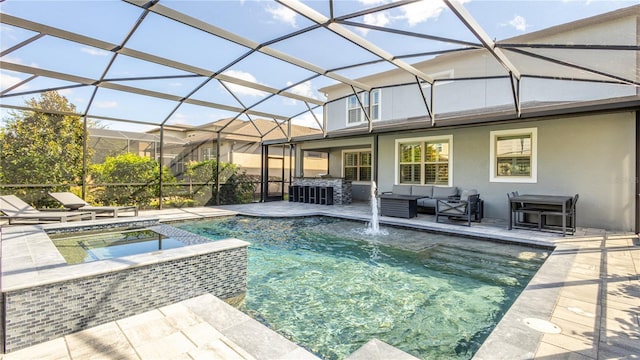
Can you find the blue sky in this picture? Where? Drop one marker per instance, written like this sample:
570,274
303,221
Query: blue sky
259,21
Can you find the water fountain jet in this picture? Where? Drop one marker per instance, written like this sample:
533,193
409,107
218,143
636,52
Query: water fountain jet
374,225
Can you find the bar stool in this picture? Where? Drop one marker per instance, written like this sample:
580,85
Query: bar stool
294,191
313,194
305,194
326,195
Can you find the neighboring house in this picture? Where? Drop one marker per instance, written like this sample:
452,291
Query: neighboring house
238,142
545,134
106,142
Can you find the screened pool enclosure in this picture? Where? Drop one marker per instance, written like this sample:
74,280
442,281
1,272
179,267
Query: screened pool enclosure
179,103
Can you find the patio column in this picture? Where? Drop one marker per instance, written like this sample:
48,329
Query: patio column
374,160
637,179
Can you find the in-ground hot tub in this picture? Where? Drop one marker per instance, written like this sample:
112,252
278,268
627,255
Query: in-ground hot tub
44,297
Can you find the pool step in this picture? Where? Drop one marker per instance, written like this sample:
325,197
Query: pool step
379,350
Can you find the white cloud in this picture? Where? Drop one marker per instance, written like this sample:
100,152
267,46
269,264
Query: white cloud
94,51
422,11
376,19
372,2
179,118
66,92
239,89
519,23
283,14
17,60
418,12
7,81
304,89
587,2
308,120
106,104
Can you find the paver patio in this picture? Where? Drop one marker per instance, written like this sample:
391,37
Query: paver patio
584,303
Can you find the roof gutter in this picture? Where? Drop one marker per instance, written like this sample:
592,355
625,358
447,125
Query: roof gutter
631,103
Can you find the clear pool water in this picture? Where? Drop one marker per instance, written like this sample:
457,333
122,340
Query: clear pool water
92,246
330,287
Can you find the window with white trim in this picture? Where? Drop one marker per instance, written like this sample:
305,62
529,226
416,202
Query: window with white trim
514,155
426,161
356,165
208,153
355,115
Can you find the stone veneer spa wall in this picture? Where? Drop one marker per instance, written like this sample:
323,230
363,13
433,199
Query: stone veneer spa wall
48,308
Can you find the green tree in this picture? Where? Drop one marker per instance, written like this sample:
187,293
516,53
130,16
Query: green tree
42,147
129,179
235,188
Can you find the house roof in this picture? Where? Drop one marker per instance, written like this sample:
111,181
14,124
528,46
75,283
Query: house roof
132,135
561,38
138,63
255,130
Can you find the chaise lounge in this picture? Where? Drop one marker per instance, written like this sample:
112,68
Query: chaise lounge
14,209
73,202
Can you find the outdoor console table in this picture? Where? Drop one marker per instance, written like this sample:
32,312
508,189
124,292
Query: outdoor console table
542,202
405,206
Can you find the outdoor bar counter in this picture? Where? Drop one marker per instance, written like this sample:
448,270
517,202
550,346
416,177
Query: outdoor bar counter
341,188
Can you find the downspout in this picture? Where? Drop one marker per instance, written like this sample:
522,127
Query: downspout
291,162
84,159
264,172
160,183
282,174
218,168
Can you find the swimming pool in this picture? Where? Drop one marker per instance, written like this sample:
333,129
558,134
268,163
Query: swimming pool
329,286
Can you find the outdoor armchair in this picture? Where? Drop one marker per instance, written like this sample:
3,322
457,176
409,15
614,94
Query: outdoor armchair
467,207
73,202
14,209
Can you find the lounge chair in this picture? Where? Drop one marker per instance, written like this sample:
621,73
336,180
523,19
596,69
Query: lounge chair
72,201
467,207
14,209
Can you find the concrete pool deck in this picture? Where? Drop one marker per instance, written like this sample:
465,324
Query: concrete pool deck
584,303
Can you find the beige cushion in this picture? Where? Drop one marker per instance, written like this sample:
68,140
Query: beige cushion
422,190
402,189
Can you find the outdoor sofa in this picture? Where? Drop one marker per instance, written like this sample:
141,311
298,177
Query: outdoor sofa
15,208
429,195
73,202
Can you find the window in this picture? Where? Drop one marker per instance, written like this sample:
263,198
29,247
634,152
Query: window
357,165
355,115
513,155
425,161
436,166
208,153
